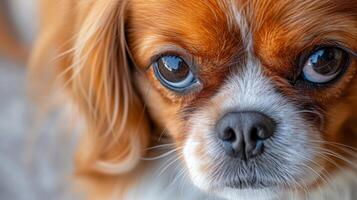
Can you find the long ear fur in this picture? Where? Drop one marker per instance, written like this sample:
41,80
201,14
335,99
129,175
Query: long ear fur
97,74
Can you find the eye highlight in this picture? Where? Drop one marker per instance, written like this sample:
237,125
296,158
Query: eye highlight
174,73
324,65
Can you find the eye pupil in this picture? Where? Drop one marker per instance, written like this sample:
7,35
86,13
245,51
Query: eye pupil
324,65
173,68
326,61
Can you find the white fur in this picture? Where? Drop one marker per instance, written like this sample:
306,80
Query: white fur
159,182
343,187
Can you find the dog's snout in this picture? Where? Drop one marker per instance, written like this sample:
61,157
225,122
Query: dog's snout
243,133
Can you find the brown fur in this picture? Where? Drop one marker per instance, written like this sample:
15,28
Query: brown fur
89,41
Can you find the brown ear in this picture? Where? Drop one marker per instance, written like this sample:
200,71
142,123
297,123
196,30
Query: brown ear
99,80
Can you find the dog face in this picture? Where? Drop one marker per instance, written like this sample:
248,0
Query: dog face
252,92
256,95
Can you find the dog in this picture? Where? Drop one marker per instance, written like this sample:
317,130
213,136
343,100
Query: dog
207,99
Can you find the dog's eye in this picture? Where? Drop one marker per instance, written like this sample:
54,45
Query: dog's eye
174,73
324,65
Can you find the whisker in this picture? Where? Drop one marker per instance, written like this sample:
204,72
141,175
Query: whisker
160,146
161,156
318,114
321,177
335,143
169,164
179,175
337,155
163,132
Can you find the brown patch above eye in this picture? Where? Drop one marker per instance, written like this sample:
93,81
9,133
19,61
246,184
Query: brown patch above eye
283,34
199,27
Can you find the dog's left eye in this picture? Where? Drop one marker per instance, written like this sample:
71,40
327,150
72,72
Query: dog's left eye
174,73
324,65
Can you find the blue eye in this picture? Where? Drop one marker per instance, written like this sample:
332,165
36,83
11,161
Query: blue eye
324,65
174,73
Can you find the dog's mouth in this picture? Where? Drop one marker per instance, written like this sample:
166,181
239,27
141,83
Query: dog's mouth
250,175
250,184
246,183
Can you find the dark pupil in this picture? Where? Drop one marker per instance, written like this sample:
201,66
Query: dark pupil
327,61
173,68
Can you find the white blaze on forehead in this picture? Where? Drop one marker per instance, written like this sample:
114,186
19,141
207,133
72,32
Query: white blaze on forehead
245,31
236,19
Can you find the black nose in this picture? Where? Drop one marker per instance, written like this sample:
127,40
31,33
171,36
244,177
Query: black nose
243,133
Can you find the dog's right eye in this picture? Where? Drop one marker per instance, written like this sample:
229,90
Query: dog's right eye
174,73
324,65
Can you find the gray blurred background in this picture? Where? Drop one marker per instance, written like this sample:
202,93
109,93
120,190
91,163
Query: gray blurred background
31,165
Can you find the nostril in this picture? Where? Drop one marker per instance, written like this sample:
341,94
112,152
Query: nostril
255,133
229,135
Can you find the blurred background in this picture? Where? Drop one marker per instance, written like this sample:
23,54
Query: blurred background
31,165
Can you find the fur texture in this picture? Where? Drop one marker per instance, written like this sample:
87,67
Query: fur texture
245,54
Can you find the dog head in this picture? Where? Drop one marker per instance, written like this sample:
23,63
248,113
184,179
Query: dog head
256,95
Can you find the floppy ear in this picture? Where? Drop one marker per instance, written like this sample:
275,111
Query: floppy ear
99,80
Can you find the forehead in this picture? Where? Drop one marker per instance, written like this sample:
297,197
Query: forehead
191,25
212,28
